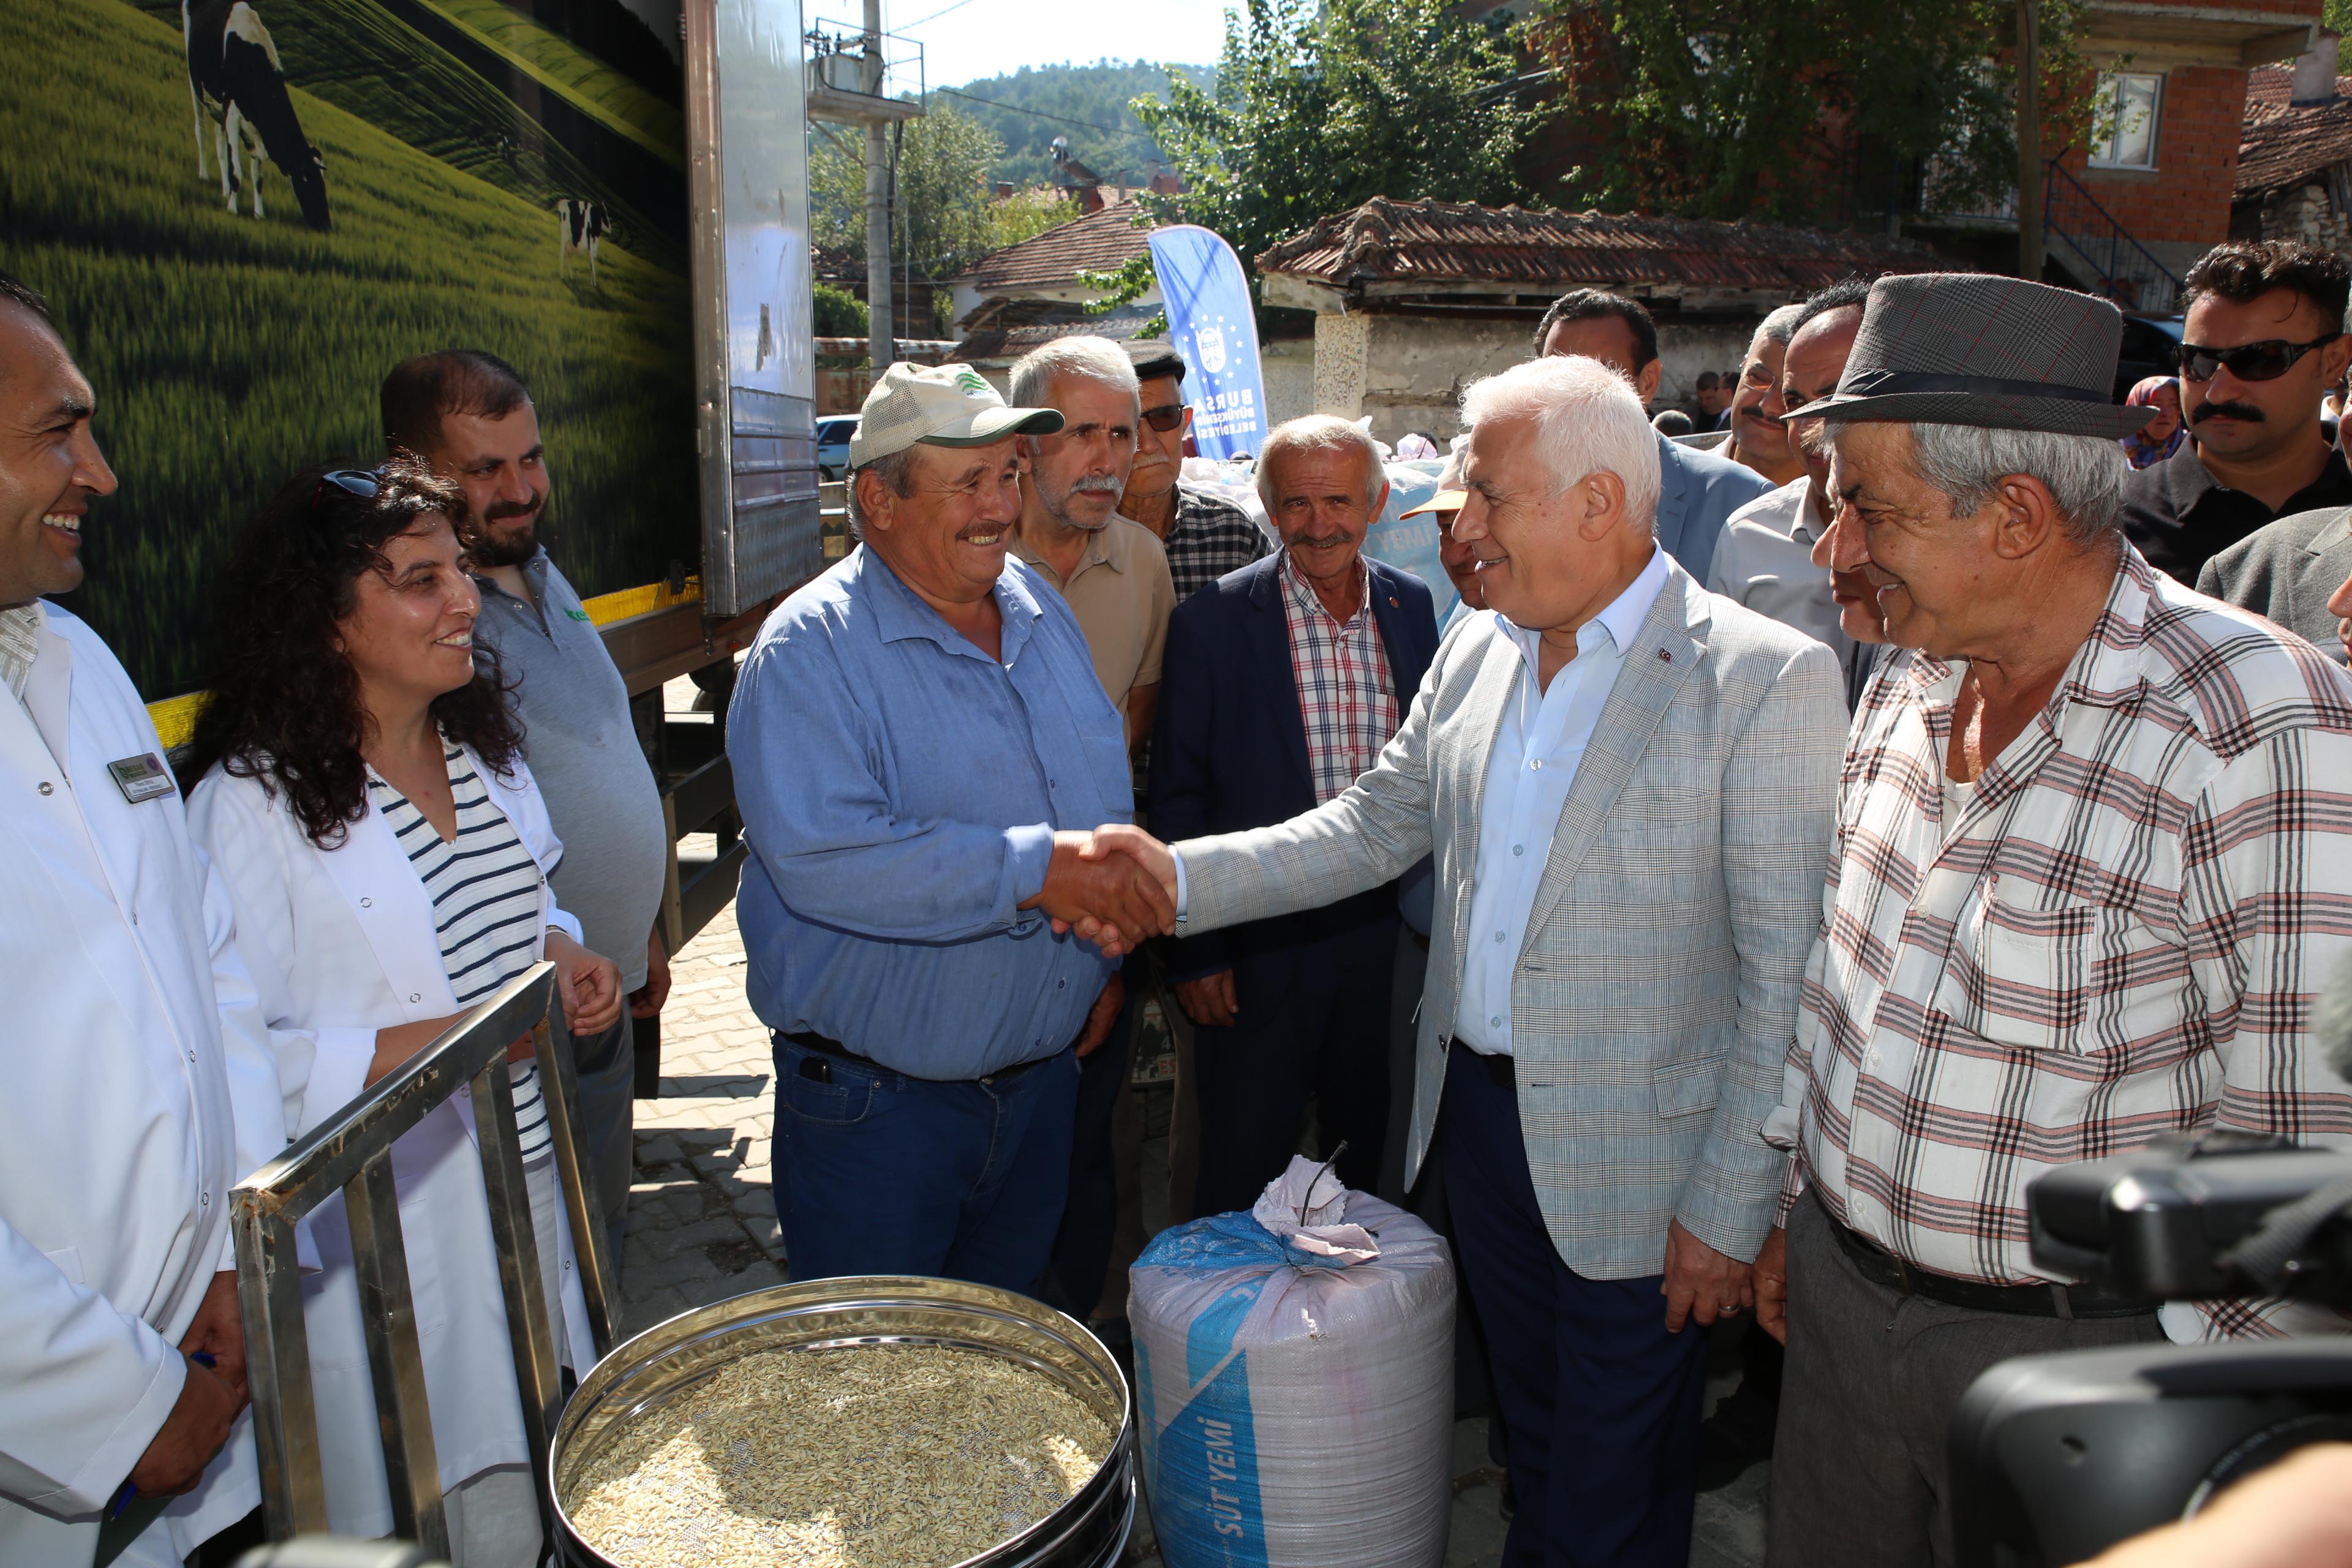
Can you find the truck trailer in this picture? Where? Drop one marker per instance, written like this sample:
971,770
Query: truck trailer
245,212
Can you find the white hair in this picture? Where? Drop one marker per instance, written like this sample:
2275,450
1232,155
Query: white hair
1588,419
1780,326
1323,433
894,469
1097,359
2084,474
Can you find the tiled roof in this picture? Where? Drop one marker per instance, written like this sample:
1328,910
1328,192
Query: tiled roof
1095,243
1513,249
2283,146
1004,330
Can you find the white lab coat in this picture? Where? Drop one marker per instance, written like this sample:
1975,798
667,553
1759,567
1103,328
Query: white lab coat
342,944
139,1090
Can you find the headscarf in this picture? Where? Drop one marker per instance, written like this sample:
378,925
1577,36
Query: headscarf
2139,448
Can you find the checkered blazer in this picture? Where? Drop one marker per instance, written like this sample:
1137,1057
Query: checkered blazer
1656,996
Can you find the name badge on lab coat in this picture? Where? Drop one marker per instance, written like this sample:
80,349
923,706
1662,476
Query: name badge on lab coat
140,778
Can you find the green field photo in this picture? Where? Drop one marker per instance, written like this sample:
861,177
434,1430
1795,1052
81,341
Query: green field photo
228,351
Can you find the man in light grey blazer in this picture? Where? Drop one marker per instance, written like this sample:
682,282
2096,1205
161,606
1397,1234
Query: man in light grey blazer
2296,570
1629,786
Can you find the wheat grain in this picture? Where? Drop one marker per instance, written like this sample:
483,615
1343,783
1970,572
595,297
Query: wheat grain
915,1456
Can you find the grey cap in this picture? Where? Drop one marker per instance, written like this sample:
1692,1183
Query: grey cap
2000,353
1153,358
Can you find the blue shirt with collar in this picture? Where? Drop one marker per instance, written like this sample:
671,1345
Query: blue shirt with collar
1541,743
901,791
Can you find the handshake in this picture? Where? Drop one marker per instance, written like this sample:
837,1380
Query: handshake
1113,887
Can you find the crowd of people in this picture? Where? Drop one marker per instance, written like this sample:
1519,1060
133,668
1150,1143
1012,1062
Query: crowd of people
1791,844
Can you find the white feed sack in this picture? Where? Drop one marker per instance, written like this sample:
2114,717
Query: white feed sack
1296,1397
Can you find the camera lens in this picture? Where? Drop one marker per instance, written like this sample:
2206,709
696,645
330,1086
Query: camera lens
2261,1449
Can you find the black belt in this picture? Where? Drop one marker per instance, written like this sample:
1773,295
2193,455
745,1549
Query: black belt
1883,1268
810,1040
1499,1069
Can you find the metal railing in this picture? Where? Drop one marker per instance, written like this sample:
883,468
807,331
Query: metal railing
351,1154
2119,266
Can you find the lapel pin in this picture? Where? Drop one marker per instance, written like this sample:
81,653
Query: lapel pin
1392,604
1665,658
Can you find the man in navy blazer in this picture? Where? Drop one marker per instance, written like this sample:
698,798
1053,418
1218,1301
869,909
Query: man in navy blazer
1279,684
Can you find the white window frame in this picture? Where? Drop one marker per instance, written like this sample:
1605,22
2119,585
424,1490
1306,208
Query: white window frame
2110,91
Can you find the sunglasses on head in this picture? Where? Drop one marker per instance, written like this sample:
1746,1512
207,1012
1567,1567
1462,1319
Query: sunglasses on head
1164,418
359,482
2264,360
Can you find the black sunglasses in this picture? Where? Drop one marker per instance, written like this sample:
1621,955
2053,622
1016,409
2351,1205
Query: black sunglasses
359,482
1165,418
2264,360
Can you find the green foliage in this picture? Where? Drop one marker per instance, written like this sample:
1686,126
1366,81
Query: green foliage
1106,136
942,222
1317,108
228,351
1728,108
1024,215
839,313
1128,281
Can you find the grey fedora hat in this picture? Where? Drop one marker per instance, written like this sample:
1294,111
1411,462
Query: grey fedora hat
1971,348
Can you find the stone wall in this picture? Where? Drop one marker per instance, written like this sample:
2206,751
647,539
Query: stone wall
1407,371
2307,214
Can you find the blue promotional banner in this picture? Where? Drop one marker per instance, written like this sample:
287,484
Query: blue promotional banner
1211,324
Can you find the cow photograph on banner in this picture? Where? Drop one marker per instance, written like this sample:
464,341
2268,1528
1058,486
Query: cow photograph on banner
245,212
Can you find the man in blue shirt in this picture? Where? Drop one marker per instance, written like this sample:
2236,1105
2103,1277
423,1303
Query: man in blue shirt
918,739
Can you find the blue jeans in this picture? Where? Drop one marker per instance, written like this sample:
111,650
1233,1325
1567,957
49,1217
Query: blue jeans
876,1173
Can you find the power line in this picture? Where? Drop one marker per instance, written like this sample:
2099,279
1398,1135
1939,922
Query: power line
934,17
1039,113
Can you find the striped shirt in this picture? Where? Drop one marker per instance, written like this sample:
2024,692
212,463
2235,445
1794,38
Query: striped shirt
485,892
2120,937
1345,695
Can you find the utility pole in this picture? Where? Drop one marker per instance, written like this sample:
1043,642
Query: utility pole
2029,177
878,289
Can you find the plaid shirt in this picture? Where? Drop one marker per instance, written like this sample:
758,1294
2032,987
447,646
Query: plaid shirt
1346,694
1209,539
2122,937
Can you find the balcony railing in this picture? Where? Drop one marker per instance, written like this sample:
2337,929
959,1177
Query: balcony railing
2087,239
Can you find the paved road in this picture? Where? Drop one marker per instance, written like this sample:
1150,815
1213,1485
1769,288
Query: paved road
703,1226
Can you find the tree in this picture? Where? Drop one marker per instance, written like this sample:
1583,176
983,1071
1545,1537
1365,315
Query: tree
940,220
1317,108
1803,110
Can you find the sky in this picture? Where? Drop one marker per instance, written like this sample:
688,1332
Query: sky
965,40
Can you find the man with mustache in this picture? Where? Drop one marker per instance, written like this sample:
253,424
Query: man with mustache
1114,573
469,414
919,739
1757,438
1283,683
1765,559
1205,538
2264,338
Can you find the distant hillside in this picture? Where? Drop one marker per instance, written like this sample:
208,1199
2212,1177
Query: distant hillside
1088,104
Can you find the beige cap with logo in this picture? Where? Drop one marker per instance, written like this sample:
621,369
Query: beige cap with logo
942,406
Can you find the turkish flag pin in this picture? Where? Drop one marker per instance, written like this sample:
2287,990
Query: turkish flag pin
1392,604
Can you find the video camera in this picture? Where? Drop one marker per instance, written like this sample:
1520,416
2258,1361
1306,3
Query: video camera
2056,1457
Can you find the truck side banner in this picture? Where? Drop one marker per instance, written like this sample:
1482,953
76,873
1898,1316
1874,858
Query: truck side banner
245,212
1214,328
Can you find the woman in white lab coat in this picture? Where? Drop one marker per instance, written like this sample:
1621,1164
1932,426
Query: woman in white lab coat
364,794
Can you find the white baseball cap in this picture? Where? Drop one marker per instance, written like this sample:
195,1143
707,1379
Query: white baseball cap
943,405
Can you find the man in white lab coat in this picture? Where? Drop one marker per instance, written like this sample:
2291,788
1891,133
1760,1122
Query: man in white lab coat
141,1087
